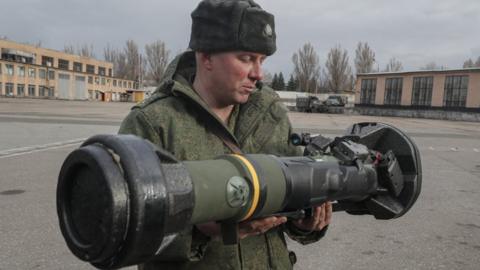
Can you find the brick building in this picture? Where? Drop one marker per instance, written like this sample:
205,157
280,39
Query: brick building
30,71
449,90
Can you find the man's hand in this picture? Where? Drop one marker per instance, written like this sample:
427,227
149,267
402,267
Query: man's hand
245,228
322,216
259,226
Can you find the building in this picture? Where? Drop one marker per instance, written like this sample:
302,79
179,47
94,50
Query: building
30,71
445,90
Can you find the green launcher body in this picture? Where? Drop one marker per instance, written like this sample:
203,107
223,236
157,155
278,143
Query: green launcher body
121,200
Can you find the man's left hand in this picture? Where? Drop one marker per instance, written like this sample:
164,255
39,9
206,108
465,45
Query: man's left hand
321,217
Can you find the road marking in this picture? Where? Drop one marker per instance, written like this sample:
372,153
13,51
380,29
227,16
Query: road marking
431,148
475,150
37,148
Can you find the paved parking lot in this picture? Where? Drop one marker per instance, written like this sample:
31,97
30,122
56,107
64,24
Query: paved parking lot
442,231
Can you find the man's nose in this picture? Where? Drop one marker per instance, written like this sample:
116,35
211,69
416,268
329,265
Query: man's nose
256,73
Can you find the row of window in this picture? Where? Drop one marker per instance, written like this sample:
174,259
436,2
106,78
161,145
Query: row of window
456,88
30,90
104,81
77,66
31,72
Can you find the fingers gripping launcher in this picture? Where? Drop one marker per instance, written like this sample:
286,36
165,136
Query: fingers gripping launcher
121,200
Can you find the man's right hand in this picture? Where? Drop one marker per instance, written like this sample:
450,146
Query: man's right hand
245,228
259,226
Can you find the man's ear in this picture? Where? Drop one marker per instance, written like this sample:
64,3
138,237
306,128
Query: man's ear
205,59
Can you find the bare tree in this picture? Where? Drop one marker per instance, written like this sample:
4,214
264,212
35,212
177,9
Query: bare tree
468,64
477,63
433,66
118,59
267,76
120,65
338,71
86,51
306,68
157,59
364,58
69,49
393,65
133,61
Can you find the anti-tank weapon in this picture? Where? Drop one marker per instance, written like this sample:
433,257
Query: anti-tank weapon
121,200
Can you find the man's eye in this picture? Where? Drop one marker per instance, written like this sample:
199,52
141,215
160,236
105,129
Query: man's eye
245,58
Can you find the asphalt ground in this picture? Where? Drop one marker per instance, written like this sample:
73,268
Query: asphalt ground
442,230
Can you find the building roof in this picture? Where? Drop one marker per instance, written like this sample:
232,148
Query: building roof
23,48
467,70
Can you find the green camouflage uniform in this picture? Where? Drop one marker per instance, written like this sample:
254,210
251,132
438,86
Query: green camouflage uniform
175,118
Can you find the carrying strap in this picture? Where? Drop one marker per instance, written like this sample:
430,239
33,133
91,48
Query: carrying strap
226,139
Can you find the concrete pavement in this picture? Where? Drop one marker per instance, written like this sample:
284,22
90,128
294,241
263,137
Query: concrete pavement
442,231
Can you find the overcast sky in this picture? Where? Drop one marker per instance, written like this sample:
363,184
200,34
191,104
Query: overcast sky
415,32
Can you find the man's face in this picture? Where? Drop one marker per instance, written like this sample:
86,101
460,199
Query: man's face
234,75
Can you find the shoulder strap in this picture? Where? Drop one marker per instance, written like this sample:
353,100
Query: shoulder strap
220,133
225,139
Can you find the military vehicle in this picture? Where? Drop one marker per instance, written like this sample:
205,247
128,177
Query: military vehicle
335,101
310,104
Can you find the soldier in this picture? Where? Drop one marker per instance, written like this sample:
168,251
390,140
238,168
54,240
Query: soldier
212,102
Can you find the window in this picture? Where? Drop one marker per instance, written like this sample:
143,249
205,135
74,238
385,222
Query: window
63,76
47,61
90,94
20,89
101,71
1,89
114,83
44,91
110,72
51,75
367,91
9,89
124,84
41,90
0,73
21,71
31,72
103,81
422,91
91,69
42,74
129,84
393,91
455,91
90,79
63,64
31,90
9,69
78,67
97,80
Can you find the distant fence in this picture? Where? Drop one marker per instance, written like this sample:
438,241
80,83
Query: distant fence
441,113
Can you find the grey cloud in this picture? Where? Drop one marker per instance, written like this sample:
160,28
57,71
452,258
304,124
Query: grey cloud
415,32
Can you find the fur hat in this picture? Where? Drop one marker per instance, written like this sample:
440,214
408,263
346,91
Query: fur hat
226,25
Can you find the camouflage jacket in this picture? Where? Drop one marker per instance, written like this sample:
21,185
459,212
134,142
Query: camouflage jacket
175,118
